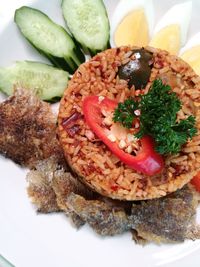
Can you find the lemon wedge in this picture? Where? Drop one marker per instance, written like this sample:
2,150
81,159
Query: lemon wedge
171,31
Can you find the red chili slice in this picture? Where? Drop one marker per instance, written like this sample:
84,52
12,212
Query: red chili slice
147,161
196,181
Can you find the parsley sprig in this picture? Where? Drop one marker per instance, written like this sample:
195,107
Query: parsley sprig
158,109
125,112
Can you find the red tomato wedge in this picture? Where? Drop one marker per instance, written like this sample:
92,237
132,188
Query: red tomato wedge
147,161
196,181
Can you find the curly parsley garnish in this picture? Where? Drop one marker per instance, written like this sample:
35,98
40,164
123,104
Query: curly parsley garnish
125,112
158,118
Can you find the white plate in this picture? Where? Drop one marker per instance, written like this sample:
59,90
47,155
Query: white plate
28,239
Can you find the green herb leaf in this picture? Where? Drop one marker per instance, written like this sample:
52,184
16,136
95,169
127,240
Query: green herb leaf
158,118
125,113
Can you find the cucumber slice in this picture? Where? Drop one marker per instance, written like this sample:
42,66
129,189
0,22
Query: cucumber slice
49,38
46,81
87,20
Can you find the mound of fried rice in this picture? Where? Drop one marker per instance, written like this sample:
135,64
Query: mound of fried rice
92,161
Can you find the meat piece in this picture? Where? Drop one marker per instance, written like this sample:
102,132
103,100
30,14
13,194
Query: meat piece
76,219
166,219
138,239
105,219
40,186
27,129
193,232
50,185
64,183
42,194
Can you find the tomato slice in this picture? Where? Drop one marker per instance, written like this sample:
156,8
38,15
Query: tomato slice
147,161
196,181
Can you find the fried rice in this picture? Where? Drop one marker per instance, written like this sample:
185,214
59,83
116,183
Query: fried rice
92,160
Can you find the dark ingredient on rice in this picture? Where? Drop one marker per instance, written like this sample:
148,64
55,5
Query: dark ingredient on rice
137,71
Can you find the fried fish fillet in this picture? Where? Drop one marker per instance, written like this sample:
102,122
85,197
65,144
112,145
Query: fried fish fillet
40,188
168,219
50,184
104,218
27,129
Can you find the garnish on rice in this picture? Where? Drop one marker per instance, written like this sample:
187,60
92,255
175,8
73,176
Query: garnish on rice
93,156
143,158
157,113
151,120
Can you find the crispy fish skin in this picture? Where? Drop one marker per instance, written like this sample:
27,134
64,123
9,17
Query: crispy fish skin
50,184
27,129
103,218
40,188
50,187
166,219
43,198
64,183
